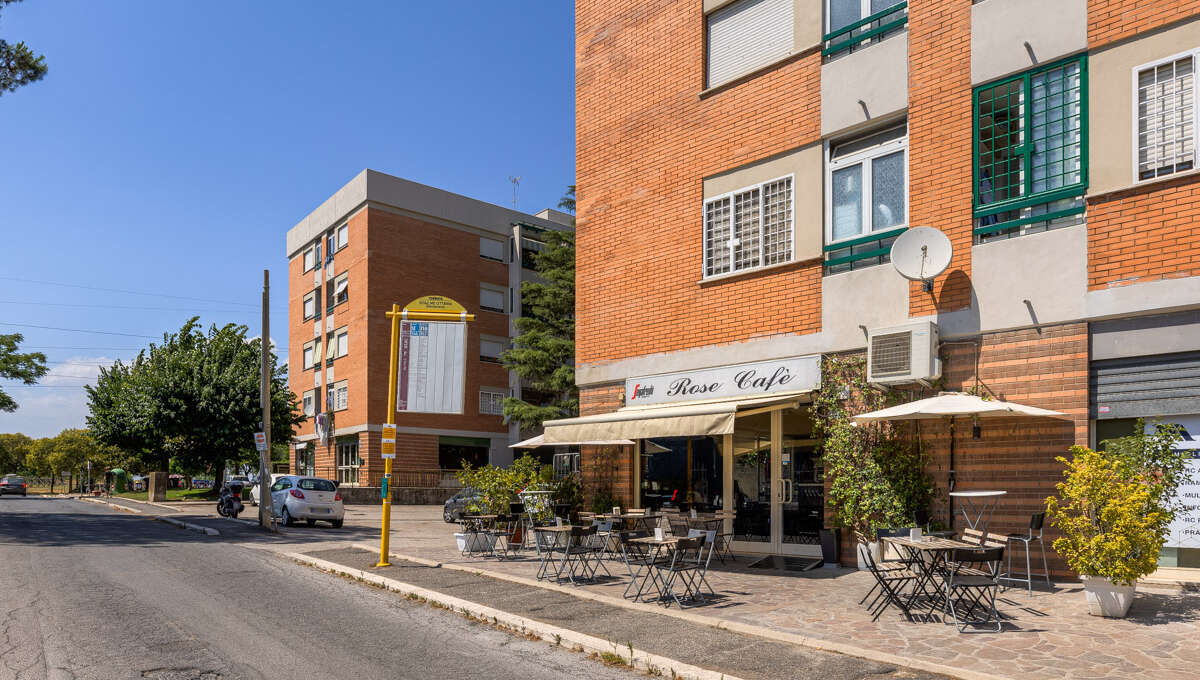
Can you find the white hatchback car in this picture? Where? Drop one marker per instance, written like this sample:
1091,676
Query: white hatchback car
254,487
311,499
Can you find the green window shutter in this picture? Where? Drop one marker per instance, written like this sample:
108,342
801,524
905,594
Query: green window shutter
1030,138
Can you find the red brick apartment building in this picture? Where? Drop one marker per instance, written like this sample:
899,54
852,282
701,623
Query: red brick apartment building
743,167
382,240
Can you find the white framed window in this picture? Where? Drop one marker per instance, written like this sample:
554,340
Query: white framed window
310,353
339,292
1165,117
347,462
491,348
491,249
309,259
343,343
339,396
492,299
842,13
491,402
308,403
343,236
866,185
749,228
746,35
310,306
317,254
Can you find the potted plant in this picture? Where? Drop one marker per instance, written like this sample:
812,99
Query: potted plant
875,473
1114,509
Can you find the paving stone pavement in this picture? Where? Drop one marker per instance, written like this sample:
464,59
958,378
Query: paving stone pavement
1048,635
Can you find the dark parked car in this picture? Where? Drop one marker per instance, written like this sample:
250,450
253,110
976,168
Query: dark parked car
455,505
13,484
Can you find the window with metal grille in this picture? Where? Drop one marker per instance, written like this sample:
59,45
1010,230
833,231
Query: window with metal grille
1030,149
491,402
347,462
1166,105
749,228
891,354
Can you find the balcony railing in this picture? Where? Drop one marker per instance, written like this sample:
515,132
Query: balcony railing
866,29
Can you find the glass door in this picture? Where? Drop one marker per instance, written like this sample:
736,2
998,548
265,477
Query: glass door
755,484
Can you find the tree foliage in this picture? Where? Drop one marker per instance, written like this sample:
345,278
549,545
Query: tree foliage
499,486
18,64
14,449
876,472
543,352
16,366
193,398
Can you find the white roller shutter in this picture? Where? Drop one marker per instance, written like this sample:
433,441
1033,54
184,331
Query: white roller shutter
746,35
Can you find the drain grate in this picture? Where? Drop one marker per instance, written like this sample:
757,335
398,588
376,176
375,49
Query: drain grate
788,563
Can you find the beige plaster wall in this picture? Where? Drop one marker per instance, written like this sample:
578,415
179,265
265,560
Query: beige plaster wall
999,31
877,75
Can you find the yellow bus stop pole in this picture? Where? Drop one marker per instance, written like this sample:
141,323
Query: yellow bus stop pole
386,528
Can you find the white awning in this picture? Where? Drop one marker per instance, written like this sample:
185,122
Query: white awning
671,420
534,442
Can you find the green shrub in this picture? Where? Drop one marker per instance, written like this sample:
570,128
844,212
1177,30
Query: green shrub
499,486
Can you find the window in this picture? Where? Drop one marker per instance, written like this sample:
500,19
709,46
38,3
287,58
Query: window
866,189
306,456
491,299
343,236
308,354
852,24
343,343
491,402
1166,106
317,254
747,35
490,349
330,246
341,289
316,355
309,403
309,261
339,396
347,464
491,249
748,228
1030,170
310,306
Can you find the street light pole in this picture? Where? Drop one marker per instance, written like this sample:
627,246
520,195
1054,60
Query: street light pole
264,456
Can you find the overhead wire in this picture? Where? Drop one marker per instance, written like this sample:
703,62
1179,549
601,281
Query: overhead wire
77,330
126,292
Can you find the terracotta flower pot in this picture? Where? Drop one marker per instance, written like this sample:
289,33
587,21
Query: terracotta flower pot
1106,598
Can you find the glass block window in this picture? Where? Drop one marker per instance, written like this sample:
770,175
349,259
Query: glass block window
749,228
1166,105
1031,147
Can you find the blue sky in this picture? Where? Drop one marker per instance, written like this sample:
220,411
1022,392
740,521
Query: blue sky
172,144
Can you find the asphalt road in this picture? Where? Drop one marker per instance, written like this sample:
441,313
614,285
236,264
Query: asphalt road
93,593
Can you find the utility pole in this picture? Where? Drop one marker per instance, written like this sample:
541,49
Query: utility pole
516,182
264,456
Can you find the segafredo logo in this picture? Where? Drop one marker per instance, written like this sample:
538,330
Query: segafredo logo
749,379
642,391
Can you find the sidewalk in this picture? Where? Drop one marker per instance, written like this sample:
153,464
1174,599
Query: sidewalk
729,653
1048,635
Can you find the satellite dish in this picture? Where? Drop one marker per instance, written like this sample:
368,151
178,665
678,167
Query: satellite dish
921,254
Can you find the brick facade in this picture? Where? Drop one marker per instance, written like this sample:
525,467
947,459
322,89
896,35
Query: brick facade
1110,21
639,72
605,467
1144,234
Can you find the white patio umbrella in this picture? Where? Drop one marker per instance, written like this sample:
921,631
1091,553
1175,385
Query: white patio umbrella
951,405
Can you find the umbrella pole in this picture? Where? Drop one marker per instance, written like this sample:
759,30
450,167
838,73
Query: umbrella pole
950,484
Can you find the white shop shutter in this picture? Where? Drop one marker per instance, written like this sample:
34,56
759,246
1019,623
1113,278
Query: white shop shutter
746,35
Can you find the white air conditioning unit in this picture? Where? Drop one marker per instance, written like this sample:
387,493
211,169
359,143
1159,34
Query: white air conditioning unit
903,354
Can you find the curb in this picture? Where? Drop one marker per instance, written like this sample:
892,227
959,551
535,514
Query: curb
732,626
173,522
114,506
569,639
157,505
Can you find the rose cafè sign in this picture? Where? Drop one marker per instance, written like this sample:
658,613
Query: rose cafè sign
758,378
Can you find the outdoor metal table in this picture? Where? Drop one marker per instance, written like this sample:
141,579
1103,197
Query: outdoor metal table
929,571
473,526
561,536
983,513
657,548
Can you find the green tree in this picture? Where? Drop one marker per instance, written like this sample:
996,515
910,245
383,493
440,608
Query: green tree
24,367
543,352
14,448
18,64
194,398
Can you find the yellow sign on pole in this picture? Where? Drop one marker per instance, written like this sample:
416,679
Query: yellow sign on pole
427,308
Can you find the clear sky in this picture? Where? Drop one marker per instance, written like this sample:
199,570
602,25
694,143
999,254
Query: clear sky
173,143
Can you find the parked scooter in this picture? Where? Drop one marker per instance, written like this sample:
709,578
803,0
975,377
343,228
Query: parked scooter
229,504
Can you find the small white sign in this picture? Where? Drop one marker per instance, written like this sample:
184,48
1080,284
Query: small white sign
796,374
1185,530
260,441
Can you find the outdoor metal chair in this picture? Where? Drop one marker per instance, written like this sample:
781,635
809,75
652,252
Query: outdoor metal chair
710,545
686,568
890,583
642,562
885,565
549,546
1035,525
580,555
973,584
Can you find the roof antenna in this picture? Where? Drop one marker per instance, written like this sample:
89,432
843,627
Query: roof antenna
516,182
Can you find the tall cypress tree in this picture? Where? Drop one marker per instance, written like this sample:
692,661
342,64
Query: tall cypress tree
543,352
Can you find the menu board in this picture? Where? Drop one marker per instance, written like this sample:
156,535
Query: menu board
432,358
1185,530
